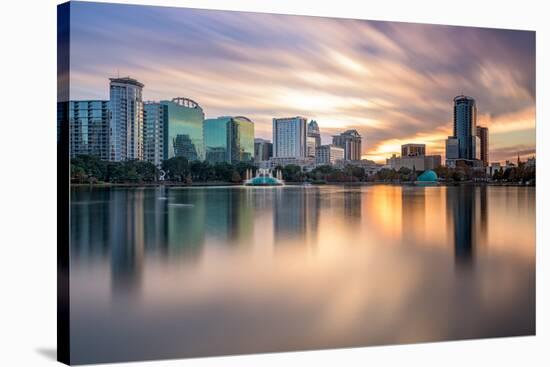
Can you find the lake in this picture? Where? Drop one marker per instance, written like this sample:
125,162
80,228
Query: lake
163,272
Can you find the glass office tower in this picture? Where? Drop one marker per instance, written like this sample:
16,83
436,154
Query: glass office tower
184,133
240,140
229,139
215,139
126,124
89,128
464,127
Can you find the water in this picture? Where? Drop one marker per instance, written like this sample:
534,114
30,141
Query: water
185,272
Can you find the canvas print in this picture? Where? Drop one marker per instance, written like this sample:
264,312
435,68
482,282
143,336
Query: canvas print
236,182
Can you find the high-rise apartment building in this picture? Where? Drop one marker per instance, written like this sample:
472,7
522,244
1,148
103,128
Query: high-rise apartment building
89,128
350,141
126,123
289,137
155,117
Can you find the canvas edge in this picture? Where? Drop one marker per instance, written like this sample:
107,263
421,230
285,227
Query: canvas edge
63,184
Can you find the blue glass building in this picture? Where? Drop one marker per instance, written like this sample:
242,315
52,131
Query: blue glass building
229,139
215,139
464,127
184,129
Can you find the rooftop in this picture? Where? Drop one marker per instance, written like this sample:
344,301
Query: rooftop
127,80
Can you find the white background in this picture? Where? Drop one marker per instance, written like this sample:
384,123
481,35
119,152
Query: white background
28,182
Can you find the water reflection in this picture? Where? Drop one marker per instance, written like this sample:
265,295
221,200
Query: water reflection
296,213
174,272
468,210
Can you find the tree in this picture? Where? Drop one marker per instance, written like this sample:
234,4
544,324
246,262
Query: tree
235,177
176,168
292,172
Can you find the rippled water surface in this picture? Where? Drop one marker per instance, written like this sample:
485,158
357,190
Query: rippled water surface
182,272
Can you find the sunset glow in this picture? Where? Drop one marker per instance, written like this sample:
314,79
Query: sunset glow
393,82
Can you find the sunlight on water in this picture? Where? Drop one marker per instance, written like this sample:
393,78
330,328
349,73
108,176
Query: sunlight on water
210,271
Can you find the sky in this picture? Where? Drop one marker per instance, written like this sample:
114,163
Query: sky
393,82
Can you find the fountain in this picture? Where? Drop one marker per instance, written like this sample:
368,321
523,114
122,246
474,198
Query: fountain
264,177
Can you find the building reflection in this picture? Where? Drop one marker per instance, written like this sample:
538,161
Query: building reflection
413,215
352,207
126,240
230,215
186,215
468,219
296,215
89,224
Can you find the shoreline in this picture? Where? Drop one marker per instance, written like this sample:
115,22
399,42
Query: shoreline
231,184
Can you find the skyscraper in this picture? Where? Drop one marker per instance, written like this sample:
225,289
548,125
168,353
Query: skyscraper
126,123
464,126
350,141
184,135
229,139
89,128
289,137
313,132
155,117
263,150
483,134
465,137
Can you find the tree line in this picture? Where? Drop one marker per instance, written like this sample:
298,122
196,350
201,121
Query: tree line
91,169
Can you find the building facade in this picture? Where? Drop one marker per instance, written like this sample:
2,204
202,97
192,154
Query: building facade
483,135
289,137
329,154
350,141
229,139
263,150
184,135
89,128
415,163
155,123
314,132
215,139
311,146
464,129
413,150
126,120
240,140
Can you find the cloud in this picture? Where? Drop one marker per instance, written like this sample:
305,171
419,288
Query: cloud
393,82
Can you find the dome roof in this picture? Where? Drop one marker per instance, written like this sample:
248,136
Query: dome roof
428,176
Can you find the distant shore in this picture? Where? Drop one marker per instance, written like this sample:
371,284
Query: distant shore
225,184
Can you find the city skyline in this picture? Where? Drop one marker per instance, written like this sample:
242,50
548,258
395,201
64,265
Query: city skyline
392,82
